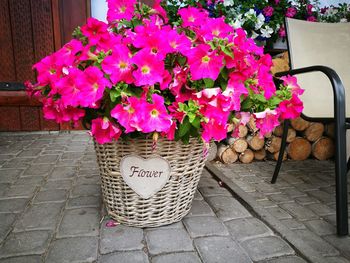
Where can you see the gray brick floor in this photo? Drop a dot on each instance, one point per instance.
(51, 211)
(302, 202)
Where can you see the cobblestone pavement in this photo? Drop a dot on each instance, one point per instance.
(302, 200)
(51, 211)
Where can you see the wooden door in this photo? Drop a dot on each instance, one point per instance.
(29, 31)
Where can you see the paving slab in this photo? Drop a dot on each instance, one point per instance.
(125, 257)
(25, 243)
(266, 247)
(185, 257)
(77, 249)
(6, 222)
(246, 228)
(79, 222)
(120, 238)
(168, 240)
(220, 249)
(205, 226)
(39, 217)
(228, 208)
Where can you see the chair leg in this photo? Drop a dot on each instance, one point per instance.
(280, 156)
(341, 181)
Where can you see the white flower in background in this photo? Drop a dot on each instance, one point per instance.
(266, 32)
(228, 3)
(260, 21)
(238, 22)
(254, 35)
(343, 20)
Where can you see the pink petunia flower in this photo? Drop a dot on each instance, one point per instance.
(125, 114)
(68, 89)
(268, 11)
(49, 70)
(104, 131)
(150, 69)
(204, 63)
(55, 110)
(266, 121)
(192, 16)
(120, 9)
(291, 83)
(311, 19)
(291, 12)
(94, 30)
(215, 27)
(178, 42)
(119, 65)
(92, 84)
(216, 126)
(154, 116)
(282, 32)
(160, 10)
(291, 109)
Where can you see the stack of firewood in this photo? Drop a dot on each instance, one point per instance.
(304, 139)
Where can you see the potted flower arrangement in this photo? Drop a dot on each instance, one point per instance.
(145, 86)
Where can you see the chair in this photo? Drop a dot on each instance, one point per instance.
(320, 55)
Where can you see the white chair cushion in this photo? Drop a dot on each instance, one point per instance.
(326, 44)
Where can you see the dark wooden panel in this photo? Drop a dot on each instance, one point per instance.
(47, 125)
(17, 98)
(21, 22)
(30, 118)
(7, 72)
(73, 13)
(55, 7)
(10, 119)
(42, 28)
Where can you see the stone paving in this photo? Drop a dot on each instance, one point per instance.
(302, 200)
(51, 211)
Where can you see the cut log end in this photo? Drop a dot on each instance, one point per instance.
(260, 155)
(240, 145)
(255, 142)
(299, 149)
(247, 156)
(323, 149)
(314, 131)
(299, 124)
(274, 144)
(226, 154)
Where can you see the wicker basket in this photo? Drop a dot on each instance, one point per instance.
(167, 206)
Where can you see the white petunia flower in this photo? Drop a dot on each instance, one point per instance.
(266, 32)
(260, 21)
(228, 3)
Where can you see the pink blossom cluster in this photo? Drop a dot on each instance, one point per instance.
(138, 74)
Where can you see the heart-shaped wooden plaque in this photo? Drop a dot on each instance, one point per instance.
(145, 176)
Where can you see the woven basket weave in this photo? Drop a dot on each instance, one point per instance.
(167, 206)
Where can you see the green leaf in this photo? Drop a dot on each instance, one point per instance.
(273, 102)
(227, 51)
(209, 83)
(184, 127)
(247, 104)
(196, 122)
(260, 97)
(114, 94)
